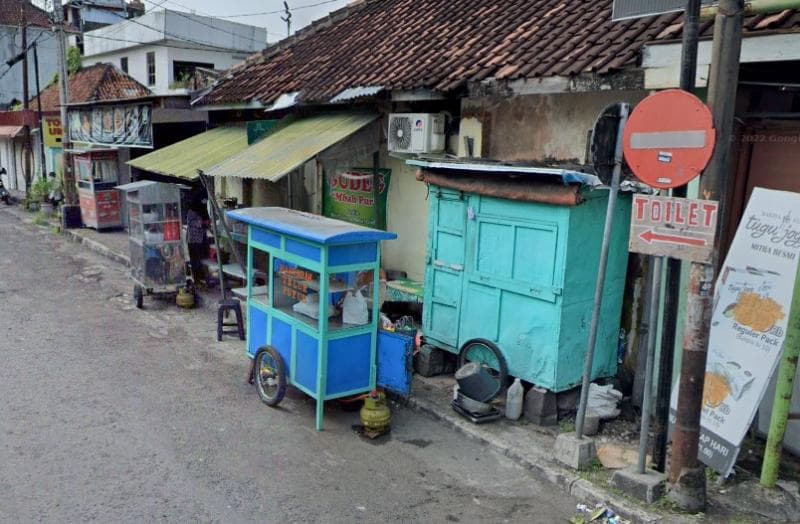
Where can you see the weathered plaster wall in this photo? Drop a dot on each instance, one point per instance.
(406, 215)
(539, 127)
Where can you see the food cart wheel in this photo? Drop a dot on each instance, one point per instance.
(487, 354)
(138, 296)
(270, 375)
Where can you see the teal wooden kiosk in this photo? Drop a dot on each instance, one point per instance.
(510, 282)
(297, 331)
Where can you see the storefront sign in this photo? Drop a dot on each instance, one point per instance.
(350, 196)
(751, 308)
(52, 132)
(675, 227)
(119, 125)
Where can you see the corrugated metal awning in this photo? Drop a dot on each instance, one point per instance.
(292, 145)
(202, 151)
(10, 131)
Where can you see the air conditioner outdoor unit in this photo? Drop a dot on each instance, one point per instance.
(416, 132)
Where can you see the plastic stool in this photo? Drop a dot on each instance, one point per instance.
(226, 306)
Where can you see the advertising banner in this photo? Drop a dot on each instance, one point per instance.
(349, 196)
(120, 125)
(51, 130)
(752, 297)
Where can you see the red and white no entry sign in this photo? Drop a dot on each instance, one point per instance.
(669, 138)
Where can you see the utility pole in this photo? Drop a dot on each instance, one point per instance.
(26, 130)
(691, 22)
(39, 110)
(70, 211)
(686, 473)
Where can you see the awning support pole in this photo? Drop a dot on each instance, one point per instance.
(601, 272)
(217, 213)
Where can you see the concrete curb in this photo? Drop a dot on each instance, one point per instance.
(97, 247)
(539, 464)
(73, 235)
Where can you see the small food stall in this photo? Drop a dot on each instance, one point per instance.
(98, 177)
(512, 262)
(314, 324)
(158, 262)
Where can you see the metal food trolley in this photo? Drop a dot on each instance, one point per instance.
(158, 262)
(99, 199)
(296, 333)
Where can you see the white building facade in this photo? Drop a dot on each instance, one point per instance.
(162, 49)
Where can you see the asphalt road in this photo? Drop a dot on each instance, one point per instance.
(111, 414)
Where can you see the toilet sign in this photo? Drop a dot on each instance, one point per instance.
(669, 139)
(681, 228)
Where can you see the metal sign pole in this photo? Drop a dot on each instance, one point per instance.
(647, 401)
(624, 109)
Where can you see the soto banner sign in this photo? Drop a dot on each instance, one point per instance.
(349, 196)
(119, 125)
(753, 295)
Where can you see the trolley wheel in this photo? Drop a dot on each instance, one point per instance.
(487, 354)
(138, 296)
(269, 375)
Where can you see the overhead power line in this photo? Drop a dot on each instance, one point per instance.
(279, 11)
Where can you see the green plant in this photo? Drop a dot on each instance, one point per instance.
(73, 63)
(40, 190)
(40, 219)
(73, 60)
(566, 426)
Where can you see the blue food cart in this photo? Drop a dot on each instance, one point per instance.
(314, 323)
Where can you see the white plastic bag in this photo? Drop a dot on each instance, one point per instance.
(310, 307)
(603, 401)
(354, 309)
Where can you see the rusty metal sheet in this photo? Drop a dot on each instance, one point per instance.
(680, 228)
(507, 187)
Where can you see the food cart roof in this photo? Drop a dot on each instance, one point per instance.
(307, 226)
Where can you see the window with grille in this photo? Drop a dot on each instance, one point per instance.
(151, 69)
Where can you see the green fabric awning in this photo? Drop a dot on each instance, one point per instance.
(291, 145)
(204, 151)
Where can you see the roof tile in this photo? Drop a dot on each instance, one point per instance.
(444, 44)
(96, 83)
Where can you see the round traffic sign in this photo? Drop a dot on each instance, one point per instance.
(669, 138)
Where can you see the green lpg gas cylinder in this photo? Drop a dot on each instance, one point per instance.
(375, 415)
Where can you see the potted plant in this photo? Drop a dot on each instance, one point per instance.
(39, 196)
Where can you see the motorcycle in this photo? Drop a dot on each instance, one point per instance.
(5, 196)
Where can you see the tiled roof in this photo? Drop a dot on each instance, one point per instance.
(443, 44)
(10, 14)
(96, 83)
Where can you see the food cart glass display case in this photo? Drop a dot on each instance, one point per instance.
(98, 176)
(158, 261)
(314, 324)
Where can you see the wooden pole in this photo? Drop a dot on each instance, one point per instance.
(686, 473)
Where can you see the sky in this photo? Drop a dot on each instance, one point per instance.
(303, 11)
